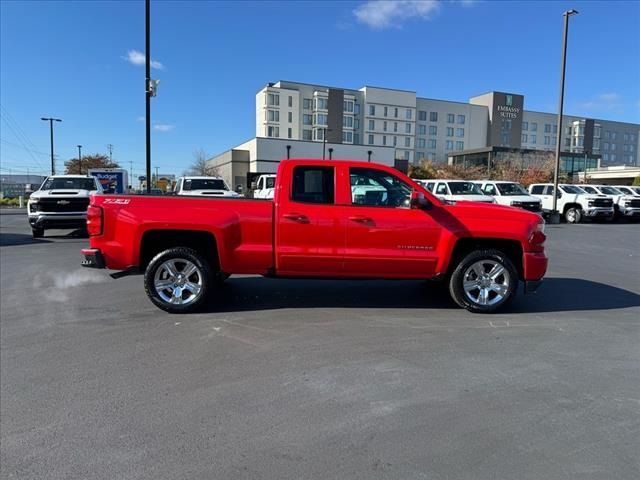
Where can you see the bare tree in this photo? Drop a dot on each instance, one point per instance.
(200, 165)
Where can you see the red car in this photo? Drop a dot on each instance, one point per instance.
(338, 219)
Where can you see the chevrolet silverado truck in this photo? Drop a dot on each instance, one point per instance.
(573, 202)
(626, 205)
(317, 227)
(61, 202)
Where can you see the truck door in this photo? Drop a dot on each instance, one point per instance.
(544, 194)
(385, 237)
(310, 228)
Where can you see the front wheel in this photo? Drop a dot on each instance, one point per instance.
(178, 280)
(573, 215)
(484, 281)
(37, 232)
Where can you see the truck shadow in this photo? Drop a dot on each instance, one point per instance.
(555, 295)
(12, 239)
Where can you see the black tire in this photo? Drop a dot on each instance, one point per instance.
(573, 215)
(37, 232)
(509, 281)
(202, 277)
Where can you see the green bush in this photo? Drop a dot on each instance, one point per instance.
(636, 181)
(10, 202)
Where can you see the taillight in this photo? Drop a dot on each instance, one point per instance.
(94, 220)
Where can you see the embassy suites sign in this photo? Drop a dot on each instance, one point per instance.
(508, 110)
(506, 120)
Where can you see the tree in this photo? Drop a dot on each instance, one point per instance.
(636, 181)
(201, 166)
(74, 167)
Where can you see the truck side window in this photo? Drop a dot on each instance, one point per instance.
(441, 189)
(378, 188)
(548, 190)
(430, 186)
(537, 189)
(490, 189)
(313, 185)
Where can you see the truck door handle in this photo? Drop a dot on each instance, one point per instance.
(296, 217)
(362, 219)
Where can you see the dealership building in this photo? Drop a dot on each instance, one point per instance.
(396, 127)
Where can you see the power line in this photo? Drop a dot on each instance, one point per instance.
(6, 116)
(23, 147)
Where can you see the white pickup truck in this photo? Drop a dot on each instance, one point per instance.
(573, 202)
(456, 190)
(204, 186)
(61, 202)
(511, 194)
(625, 205)
(264, 186)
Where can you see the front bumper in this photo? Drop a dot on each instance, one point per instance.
(534, 267)
(599, 212)
(58, 220)
(629, 212)
(92, 258)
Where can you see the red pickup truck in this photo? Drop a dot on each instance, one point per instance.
(339, 219)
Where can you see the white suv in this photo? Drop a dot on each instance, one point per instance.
(61, 202)
(573, 202)
(204, 186)
(625, 205)
(511, 194)
(456, 190)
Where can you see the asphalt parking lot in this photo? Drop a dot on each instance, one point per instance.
(320, 379)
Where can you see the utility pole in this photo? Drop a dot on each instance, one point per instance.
(148, 88)
(51, 120)
(555, 215)
(80, 159)
(110, 148)
(156, 184)
(130, 174)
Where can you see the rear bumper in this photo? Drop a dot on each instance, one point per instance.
(530, 286)
(92, 258)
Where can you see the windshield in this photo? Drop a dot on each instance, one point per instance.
(610, 191)
(589, 189)
(204, 184)
(69, 184)
(464, 188)
(511, 189)
(636, 190)
(625, 190)
(571, 189)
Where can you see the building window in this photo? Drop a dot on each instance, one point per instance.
(306, 134)
(290, 117)
(554, 140)
(372, 109)
(547, 139)
(613, 146)
(506, 124)
(347, 137)
(524, 138)
(290, 101)
(395, 114)
(306, 103)
(385, 111)
(451, 118)
(407, 142)
(347, 121)
(273, 99)
(318, 134)
(384, 140)
(433, 116)
(605, 157)
(348, 106)
(607, 134)
(555, 129)
(289, 132)
(320, 118)
(459, 132)
(395, 126)
(505, 139)
(461, 119)
(433, 130)
(567, 130)
(547, 128)
(370, 139)
(422, 129)
(408, 114)
(575, 141)
(459, 145)
(273, 116)
(407, 128)
(273, 132)
(626, 137)
(356, 108)
(631, 148)
(449, 131)
(534, 127)
(431, 156)
(421, 143)
(632, 137)
(431, 144)
(321, 104)
(612, 157)
(567, 142)
(449, 145)
(419, 156)
(533, 139)
(525, 126)
(422, 116)
(614, 135)
(372, 125)
(395, 141)
(356, 138)
(306, 119)
(596, 143)
(356, 123)
(384, 126)
(406, 155)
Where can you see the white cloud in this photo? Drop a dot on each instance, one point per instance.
(140, 119)
(163, 127)
(380, 14)
(136, 57)
(610, 101)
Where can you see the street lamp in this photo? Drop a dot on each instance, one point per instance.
(324, 141)
(555, 215)
(79, 159)
(51, 120)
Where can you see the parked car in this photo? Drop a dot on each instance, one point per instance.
(61, 202)
(265, 186)
(194, 186)
(511, 194)
(316, 228)
(458, 190)
(625, 205)
(573, 203)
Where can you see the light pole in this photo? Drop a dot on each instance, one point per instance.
(555, 215)
(51, 120)
(79, 159)
(324, 141)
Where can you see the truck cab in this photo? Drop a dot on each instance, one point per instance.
(204, 186)
(458, 190)
(573, 203)
(265, 186)
(510, 194)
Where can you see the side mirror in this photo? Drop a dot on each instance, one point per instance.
(419, 201)
(559, 194)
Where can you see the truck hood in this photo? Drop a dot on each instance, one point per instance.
(470, 198)
(483, 214)
(521, 198)
(61, 193)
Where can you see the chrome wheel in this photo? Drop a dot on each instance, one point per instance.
(486, 282)
(178, 281)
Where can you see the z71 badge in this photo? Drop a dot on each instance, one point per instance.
(117, 201)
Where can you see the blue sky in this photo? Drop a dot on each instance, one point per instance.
(73, 60)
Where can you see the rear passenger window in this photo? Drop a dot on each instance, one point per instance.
(537, 189)
(313, 185)
(489, 189)
(441, 189)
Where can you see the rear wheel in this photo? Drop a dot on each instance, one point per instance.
(37, 232)
(178, 280)
(573, 215)
(484, 281)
